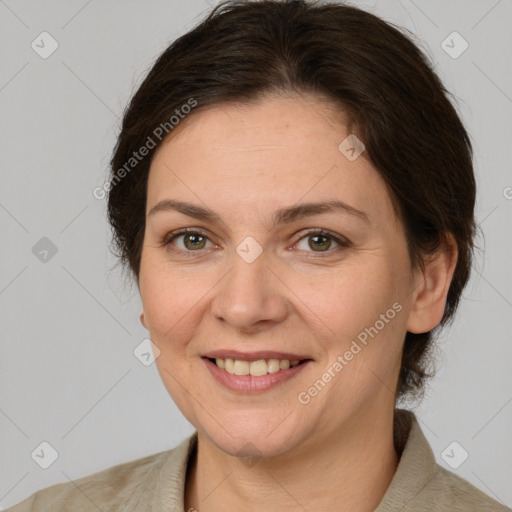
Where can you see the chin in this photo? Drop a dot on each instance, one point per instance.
(253, 434)
(253, 447)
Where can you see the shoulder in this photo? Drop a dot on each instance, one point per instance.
(420, 484)
(100, 489)
(448, 491)
(131, 485)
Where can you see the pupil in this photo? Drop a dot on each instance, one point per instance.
(316, 237)
(192, 237)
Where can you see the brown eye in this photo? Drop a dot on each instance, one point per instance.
(320, 242)
(194, 241)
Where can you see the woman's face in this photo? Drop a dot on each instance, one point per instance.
(248, 284)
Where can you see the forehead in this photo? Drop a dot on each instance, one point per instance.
(257, 157)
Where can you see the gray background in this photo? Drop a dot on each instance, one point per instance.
(68, 375)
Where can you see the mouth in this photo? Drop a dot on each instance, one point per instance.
(256, 372)
(255, 368)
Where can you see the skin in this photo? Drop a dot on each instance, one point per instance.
(244, 162)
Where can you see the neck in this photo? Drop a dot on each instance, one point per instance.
(347, 471)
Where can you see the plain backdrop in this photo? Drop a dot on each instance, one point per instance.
(69, 326)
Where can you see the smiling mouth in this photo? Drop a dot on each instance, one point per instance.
(256, 368)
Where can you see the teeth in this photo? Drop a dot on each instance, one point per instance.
(273, 365)
(241, 367)
(258, 368)
(229, 366)
(254, 368)
(284, 364)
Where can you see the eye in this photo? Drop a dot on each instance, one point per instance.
(322, 240)
(193, 240)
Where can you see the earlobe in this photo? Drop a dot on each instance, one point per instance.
(430, 301)
(142, 320)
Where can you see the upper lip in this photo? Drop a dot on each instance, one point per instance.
(254, 356)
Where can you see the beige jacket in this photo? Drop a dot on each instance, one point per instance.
(156, 483)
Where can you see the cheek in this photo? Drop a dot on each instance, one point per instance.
(159, 295)
(173, 300)
(365, 311)
(349, 299)
(378, 333)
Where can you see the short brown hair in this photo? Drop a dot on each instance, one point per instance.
(369, 69)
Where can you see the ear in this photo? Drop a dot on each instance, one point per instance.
(142, 320)
(432, 287)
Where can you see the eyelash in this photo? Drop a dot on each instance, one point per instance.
(342, 242)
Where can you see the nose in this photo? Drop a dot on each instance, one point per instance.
(251, 296)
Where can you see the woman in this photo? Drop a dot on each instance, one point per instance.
(293, 193)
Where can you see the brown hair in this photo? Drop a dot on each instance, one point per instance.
(398, 107)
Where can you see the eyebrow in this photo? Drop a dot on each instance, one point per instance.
(281, 216)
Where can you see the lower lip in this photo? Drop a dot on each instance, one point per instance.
(249, 383)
